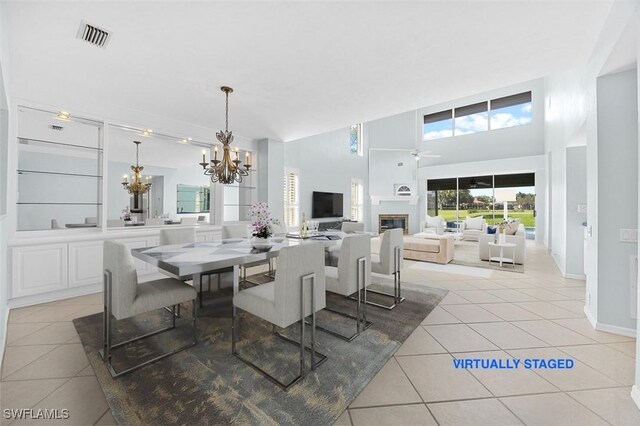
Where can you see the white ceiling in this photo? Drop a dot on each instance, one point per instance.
(297, 68)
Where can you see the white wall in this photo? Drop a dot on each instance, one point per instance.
(617, 193)
(326, 165)
(565, 115)
(5, 102)
(576, 195)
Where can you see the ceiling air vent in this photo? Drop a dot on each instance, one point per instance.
(54, 127)
(94, 35)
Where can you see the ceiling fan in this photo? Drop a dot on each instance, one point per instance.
(473, 183)
(423, 154)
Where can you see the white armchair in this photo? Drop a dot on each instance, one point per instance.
(519, 239)
(472, 228)
(433, 224)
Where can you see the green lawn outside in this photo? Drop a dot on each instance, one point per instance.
(525, 216)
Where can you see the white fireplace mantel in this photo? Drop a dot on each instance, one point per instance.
(412, 200)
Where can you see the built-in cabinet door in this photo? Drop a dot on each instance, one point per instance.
(85, 263)
(38, 269)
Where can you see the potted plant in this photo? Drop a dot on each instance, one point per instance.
(502, 229)
(261, 225)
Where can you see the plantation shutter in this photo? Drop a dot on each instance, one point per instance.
(291, 199)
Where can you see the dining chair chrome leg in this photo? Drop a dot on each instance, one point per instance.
(396, 296)
(361, 320)
(106, 351)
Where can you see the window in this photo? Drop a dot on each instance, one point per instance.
(438, 125)
(355, 139)
(471, 119)
(500, 113)
(357, 200)
(514, 110)
(291, 198)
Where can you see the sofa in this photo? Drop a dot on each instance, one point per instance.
(518, 239)
(472, 228)
(430, 248)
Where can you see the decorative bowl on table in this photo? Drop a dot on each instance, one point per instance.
(261, 243)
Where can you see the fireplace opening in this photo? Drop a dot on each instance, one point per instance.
(393, 221)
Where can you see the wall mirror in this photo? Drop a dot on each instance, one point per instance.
(178, 186)
(59, 171)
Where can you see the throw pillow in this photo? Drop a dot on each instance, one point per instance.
(512, 227)
(491, 229)
(474, 223)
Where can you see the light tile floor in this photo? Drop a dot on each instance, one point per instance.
(535, 314)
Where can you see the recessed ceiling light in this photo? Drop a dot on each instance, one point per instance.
(190, 139)
(184, 142)
(63, 115)
(147, 132)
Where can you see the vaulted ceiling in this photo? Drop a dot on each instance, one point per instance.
(297, 68)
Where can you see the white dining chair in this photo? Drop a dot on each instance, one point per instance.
(177, 235)
(297, 292)
(352, 275)
(389, 262)
(352, 227)
(236, 230)
(125, 298)
(189, 220)
(154, 221)
(180, 235)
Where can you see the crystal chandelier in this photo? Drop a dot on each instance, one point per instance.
(136, 186)
(226, 171)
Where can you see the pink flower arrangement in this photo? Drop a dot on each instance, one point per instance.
(261, 220)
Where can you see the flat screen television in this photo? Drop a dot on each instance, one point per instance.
(326, 204)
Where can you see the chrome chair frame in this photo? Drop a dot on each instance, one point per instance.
(361, 299)
(235, 331)
(397, 296)
(107, 347)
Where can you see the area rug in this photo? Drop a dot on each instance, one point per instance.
(205, 384)
(466, 254)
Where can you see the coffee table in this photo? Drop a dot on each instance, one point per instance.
(501, 258)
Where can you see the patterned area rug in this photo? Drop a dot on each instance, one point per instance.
(466, 254)
(205, 384)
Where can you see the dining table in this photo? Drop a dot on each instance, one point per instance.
(193, 261)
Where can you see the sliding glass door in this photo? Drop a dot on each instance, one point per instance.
(493, 197)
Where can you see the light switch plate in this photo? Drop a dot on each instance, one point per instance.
(582, 208)
(629, 235)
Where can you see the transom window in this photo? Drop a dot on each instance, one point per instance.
(355, 139)
(500, 113)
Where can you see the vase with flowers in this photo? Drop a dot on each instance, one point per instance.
(261, 225)
(502, 231)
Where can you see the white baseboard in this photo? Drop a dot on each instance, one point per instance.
(614, 329)
(608, 328)
(581, 277)
(635, 395)
(36, 299)
(3, 342)
(590, 317)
